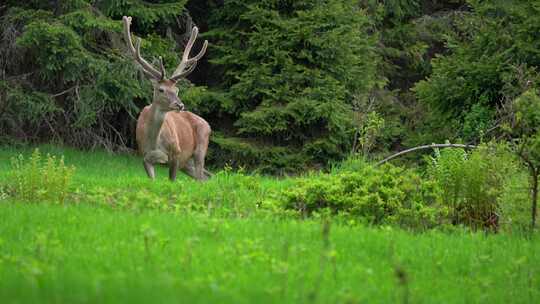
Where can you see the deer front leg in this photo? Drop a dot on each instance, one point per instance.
(151, 158)
(149, 168)
(173, 168)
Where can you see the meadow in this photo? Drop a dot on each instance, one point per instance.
(120, 237)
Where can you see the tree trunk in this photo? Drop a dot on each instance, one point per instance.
(355, 140)
(56, 4)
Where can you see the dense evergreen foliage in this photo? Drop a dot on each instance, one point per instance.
(65, 76)
(492, 55)
(284, 85)
(289, 72)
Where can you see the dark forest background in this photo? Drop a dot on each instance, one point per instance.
(286, 85)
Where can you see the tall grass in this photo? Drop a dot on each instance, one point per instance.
(219, 242)
(120, 181)
(85, 254)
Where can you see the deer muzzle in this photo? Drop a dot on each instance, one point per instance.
(177, 106)
(175, 103)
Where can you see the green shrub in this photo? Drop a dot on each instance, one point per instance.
(525, 130)
(3, 194)
(472, 183)
(376, 195)
(477, 122)
(492, 56)
(514, 204)
(38, 179)
(240, 153)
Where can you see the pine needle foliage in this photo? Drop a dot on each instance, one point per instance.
(491, 41)
(68, 77)
(289, 69)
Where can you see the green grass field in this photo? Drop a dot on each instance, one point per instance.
(214, 243)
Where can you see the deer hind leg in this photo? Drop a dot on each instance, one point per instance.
(189, 168)
(173, 167)
(194, 167)
(199, 166)
(199, 155)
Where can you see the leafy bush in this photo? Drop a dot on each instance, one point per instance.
(477, 122)
(527, 127)
(480, 67)
(240, 153)
(524, 127)
(376, 195)
(3, 194)
(514, 204)
(472, 183)
(37, 179)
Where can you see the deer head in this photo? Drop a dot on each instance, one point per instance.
(165, 90)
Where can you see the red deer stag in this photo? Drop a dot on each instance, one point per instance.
(165, 132)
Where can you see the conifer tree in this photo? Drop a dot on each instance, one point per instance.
(288, 73)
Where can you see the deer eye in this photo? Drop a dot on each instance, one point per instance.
(161, 90)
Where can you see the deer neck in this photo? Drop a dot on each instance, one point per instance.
(154, 123)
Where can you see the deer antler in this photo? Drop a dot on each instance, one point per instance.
(187, 65)
(148, 69)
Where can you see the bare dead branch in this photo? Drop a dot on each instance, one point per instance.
(64, 92)
(21, 76)
(432, 146)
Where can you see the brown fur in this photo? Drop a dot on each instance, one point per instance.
(182, 136)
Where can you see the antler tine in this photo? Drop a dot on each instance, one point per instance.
(148, 69)
(190, 69)
(162, 67)
(136, 54)
(187, 65)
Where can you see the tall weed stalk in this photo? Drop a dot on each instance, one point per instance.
(39, 179)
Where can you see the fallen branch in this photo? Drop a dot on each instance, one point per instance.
(64, 92)
(432, 146)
